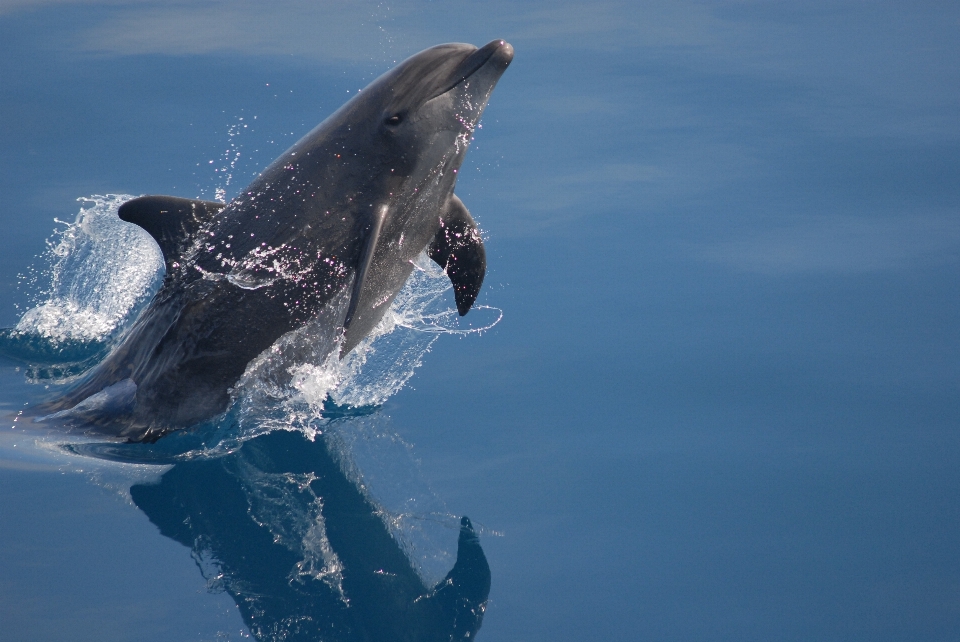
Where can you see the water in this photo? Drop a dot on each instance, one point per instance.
(722, 401)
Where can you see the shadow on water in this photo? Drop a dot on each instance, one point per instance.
(304, 553)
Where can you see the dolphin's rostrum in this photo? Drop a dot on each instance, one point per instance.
(345, 211)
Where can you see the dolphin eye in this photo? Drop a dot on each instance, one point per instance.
(393, 120)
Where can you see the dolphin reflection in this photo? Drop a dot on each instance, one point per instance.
(304, 553)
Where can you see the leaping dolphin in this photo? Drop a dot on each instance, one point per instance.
(345, 210)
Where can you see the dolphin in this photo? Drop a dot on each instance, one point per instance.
(342, 213)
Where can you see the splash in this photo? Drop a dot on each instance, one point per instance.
(228, 160)
(100, 270)
(386, 359)
(99, 273)
(303, 368)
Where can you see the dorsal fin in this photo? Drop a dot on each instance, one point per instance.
(458, 249)
(171, 221)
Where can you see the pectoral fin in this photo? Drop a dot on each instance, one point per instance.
(458, 249)
(363, 267)
(171, 221)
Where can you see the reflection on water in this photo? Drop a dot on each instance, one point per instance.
(304, 552)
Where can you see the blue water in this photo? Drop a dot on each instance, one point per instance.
(723, 400)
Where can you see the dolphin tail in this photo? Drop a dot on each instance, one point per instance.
(458, 249)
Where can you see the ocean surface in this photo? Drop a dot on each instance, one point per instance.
(711, 390)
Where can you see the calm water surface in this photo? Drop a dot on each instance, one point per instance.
(723, 401)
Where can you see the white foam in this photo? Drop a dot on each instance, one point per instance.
(388, 357)
(100, 270)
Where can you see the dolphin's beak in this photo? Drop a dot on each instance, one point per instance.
(493, 57)
(502, 53)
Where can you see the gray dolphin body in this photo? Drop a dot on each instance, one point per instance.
(345, 211)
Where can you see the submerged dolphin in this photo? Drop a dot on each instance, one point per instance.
(346, 210)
